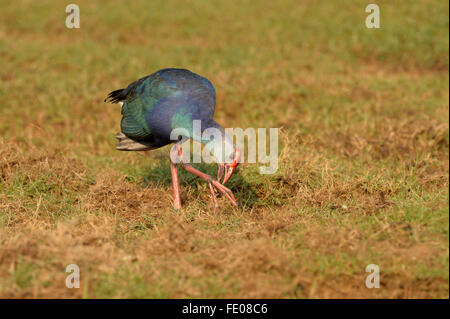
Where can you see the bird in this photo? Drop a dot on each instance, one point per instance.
(169, 99)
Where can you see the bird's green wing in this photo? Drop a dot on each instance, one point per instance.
(133, 122)
(141, 97)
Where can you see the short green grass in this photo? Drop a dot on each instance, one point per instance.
(363, 165)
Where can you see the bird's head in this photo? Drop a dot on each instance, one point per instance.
(229, 167)
(226, 153)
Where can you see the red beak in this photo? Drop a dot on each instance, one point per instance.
(229, 169)
(228, 172)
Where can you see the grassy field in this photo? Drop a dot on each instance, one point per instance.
(364, 151)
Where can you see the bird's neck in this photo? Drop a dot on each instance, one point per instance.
(217, 142)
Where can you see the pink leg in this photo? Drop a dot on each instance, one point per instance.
(213, 194)
(175, 186)
(223, 189)
(177, 151)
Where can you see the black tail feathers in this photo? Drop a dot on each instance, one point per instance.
(116, 96)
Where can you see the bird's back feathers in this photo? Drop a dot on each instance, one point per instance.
(155, 104)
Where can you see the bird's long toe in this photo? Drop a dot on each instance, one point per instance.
(226, 191)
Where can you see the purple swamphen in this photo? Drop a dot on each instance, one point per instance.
(155, 105)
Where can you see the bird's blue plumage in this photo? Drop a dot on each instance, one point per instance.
(170, 99)
(162, 101)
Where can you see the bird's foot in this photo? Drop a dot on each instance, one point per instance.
(213, 195)
(211, 182)
(224, 190)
